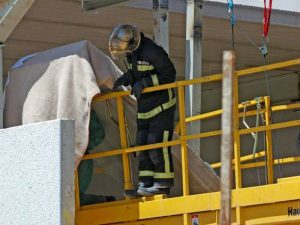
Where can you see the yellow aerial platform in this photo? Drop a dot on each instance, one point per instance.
(275, 203)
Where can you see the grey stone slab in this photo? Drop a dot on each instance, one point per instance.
(37, 174)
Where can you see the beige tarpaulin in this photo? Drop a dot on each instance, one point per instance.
(60, 83)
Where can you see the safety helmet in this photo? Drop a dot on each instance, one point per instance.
(123, 39)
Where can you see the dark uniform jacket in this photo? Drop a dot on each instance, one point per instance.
(151, 65)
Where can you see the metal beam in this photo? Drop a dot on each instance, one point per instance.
(161, 23)
(12, 16)
(94, 4)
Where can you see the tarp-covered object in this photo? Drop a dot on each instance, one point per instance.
(59, 83)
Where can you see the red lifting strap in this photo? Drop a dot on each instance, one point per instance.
(267, 16)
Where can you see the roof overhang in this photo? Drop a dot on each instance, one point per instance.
(11, 14)
(95, 4)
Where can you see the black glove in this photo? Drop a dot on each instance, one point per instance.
(126, 79)
(137, 89)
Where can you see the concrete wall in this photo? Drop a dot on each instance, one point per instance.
(37, 174)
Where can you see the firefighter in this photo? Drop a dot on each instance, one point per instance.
(149, 65)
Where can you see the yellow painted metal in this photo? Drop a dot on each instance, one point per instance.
(285, 107)
(262, 163)
(130, 150)
(186, 219)
(270, 127)
(289, 179)
(252, 165)
(242, 158)
(77, 197)
(269, 67)
(269, 146)
(184, 155)
(203, 79)
(123, 137)
(275, 162)
(287, 160)
(236, 141)
(185, 173)
(174, 220)
(158, 210)
(216, 113)
(204, 116)
(190, 137)
(236, 136)
(202, 135)
(238, 215)
(262, 201)
(251, 157)
(276, 213)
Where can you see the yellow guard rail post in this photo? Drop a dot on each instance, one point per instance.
(269, 145)
(124, 145)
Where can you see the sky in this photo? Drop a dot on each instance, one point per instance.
(288, 5)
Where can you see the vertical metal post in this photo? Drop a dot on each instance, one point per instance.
(236, 136)
(269, 144)
(77, 191)
(185, 175)
(236, 143)
(226, 138)
(184, 153)
(126, 163)
(1, 86)
(193, 64)
(161, 23)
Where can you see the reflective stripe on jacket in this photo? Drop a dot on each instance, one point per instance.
(151, 65)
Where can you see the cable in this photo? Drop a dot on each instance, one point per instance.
(264, 51)
(232, 20)
(274, 131)
(246, 36)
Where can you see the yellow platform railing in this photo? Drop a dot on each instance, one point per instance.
(238, 160)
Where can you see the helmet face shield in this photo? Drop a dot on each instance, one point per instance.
(123, 39)
(118, 48)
